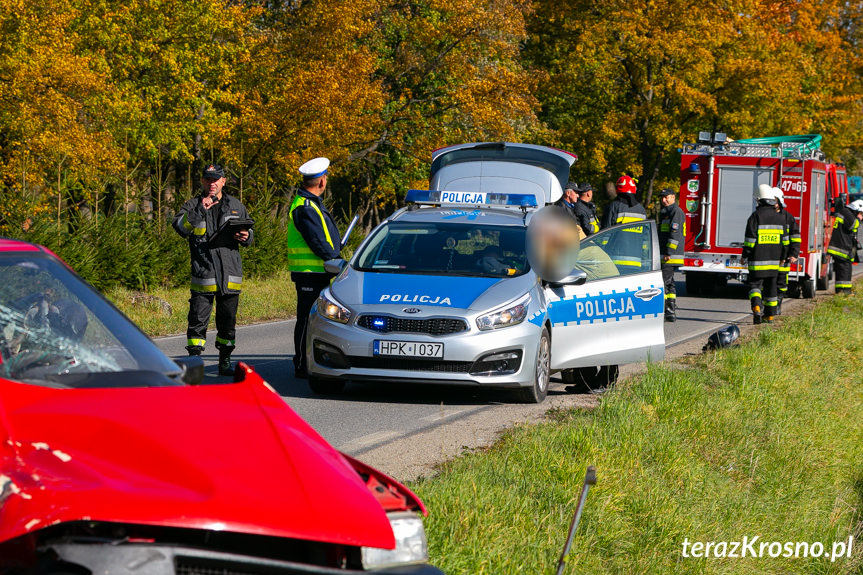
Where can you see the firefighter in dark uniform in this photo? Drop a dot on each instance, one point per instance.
(217, 269)
(625, 207)
(765, 243)
(313, 238)
(844, 242)
(672, 222)
(585, 210)
(793, 252)
(569, 198)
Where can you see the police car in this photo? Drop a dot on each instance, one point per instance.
(443, 291)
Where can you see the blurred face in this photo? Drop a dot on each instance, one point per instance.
(586, 196)
(570, 196)
(212, 187)
(667, 200)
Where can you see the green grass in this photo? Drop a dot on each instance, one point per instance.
(765, 439)
(262, 299)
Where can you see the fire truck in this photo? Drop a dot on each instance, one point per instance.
(718, 176)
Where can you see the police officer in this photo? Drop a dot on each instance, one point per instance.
(569, 198)
(585, 210)
(844, 242)
(764, 245)
(217, 269)
(313, 238)
(793, 251)
(671, 229)
(625, 207)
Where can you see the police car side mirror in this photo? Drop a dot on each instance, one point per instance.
(193, 369)
(576, 278)
(335, 266)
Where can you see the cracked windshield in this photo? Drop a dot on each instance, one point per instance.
(55, 330)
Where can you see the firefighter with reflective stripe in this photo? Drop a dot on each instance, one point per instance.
(585, 210)
(313, 238)
(672, 221)
(764, 245)
(217, 269)
(793, 251)
(844, 242)
(624, 208)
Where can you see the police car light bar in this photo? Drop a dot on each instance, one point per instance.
(470, 198)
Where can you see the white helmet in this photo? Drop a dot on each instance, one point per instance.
(763, 192)
(856, 205)
(779, 195)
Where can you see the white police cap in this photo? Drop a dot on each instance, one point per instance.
(315, 168)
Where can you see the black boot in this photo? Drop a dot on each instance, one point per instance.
(225, 367)
(778, 309)
(756, 314)
(194, 349)
(670, 310)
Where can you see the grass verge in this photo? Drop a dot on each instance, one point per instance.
(262, 299)
(759, 440)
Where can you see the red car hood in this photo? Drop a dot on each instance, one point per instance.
(228, 457)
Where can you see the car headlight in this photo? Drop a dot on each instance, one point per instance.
(411, 544)
(330, 309)
(512, 315)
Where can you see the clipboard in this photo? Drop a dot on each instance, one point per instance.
(235, 225)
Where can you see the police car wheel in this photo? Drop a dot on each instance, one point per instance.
(536, 393)
(323, 386)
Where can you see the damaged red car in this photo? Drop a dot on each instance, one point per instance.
(116, 460)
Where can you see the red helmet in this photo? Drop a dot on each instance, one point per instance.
(625, 185)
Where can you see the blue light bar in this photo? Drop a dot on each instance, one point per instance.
(470, 198)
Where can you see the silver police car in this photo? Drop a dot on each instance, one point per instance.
(442, 291)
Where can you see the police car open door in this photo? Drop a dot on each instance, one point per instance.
(617, 315)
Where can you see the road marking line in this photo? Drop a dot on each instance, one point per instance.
(370, 439)
(441, 416)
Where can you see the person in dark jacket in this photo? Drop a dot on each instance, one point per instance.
(625, 208)
(672, 222)
(313, 238)
(765, 243)
(585, 210)
(793, 251)
(844, 242)
(217, 269)
(569, 198)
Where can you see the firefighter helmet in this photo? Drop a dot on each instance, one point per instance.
(856, 206)
(764, 193)
(779, 195)
(625, 185)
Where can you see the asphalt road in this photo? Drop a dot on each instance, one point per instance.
(367, 416)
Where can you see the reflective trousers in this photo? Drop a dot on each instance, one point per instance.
(200, 308)
(763, 295)
(842, 269)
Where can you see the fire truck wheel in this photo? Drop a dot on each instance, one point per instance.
(807, 288)
(824, 283)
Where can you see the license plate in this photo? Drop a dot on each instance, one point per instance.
(408, 348)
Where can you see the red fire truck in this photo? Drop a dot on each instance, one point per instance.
(718, 177)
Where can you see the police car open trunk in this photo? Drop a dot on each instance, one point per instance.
(718, 177)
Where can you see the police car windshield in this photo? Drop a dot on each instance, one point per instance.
(56, 331)
(446, 248)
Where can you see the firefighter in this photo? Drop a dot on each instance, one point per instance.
(672, 221)
(625, 207)
(217, 269)
(764, 245)
(313, 238)
(844, 242)
(585, 210)
(793, 251)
